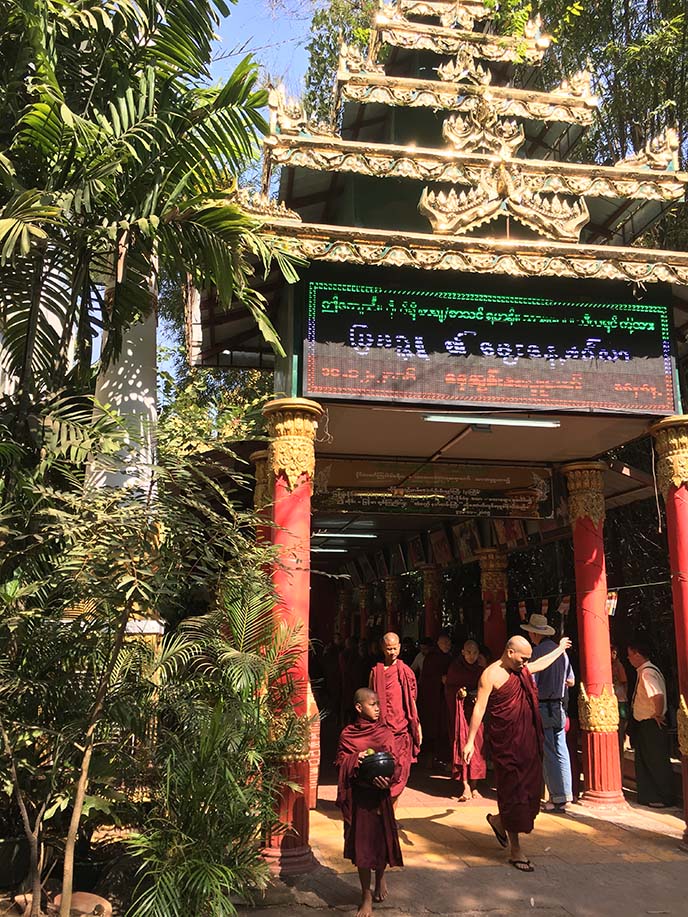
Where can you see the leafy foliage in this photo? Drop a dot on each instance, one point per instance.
(116, 163)
(338, 21)
(220, 731)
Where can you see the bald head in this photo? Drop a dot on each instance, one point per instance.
(362, 695)
(517, 653)
(470, 651)
(517, 643)
(390, 648)
(367, 704)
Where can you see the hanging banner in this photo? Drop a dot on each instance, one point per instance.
(564, 605)
(522, 611)
(612, 598)
(436, 488)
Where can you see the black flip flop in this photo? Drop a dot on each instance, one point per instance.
(502, 838)
(522, 865)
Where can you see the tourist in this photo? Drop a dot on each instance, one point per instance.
(432, 708)
(620, 685)
(461, 688)
(653, 772)
(371, 841)
(507, 692)
(552, 684)
(395, 684)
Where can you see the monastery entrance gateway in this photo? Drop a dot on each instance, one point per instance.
(475, 327)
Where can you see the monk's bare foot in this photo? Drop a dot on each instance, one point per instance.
(476, 794)
(463, 798)
(366, 908)
(380, 892)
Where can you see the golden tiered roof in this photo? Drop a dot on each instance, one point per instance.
(572, 219)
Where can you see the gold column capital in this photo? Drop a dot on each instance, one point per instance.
(671, 443)
(432, 582)
(292, 425)
(598, 712)
(392, 590)
(585, 484)
(261, 495)
(493, 566)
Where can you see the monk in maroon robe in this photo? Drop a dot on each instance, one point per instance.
(507, 690)
(395, 684)
(371, 841)
(431, 707)
(461, 689)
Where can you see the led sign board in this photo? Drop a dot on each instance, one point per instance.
(579, 350)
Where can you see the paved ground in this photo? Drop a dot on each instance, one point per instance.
(623, 865)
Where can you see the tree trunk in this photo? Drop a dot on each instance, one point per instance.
(82, 784)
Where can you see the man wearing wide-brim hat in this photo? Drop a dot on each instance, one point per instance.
(552, 684)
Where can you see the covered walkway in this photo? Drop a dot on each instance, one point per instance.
(629, 864)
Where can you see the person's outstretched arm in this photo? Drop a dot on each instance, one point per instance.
(538, 665)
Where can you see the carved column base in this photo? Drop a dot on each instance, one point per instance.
(288, 853)
(602, 771)
(313, 749)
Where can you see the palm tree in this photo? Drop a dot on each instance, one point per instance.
(117, 161)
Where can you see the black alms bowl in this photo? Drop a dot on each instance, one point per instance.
(379, 764)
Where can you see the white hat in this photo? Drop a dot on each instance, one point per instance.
(537, 624)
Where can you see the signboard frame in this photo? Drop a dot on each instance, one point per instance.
(599, 374)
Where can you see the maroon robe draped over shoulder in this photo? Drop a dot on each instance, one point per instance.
(370, 831)
(431, 710)
(395, 685)
(516, 741)
(460, 711)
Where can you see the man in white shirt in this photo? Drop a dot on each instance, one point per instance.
(653, 771)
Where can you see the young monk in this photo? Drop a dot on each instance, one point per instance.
(461, 688)
(371, 841)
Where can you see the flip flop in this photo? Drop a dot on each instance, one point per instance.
(501, 838)
(463, 798)
(522, 865)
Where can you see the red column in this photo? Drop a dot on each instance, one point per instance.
(494, 587)
(392, 598)
(292, 423)
(432, 599)
(597, 705)
(671, 443)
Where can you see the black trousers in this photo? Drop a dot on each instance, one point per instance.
(653, 771)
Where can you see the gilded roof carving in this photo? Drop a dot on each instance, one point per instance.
(482, 160)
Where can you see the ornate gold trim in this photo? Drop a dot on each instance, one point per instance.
(392, 591)
(432, 583)
(559, 105)
(586, 491)
(261, 492)
(671, 444)
(449, 12)
(660, 152)
(598, 713)
(502, 192)
(464, 165)
(394, 29)
(515, 257)
(682, 726)
(493, 570)
(292, 425)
